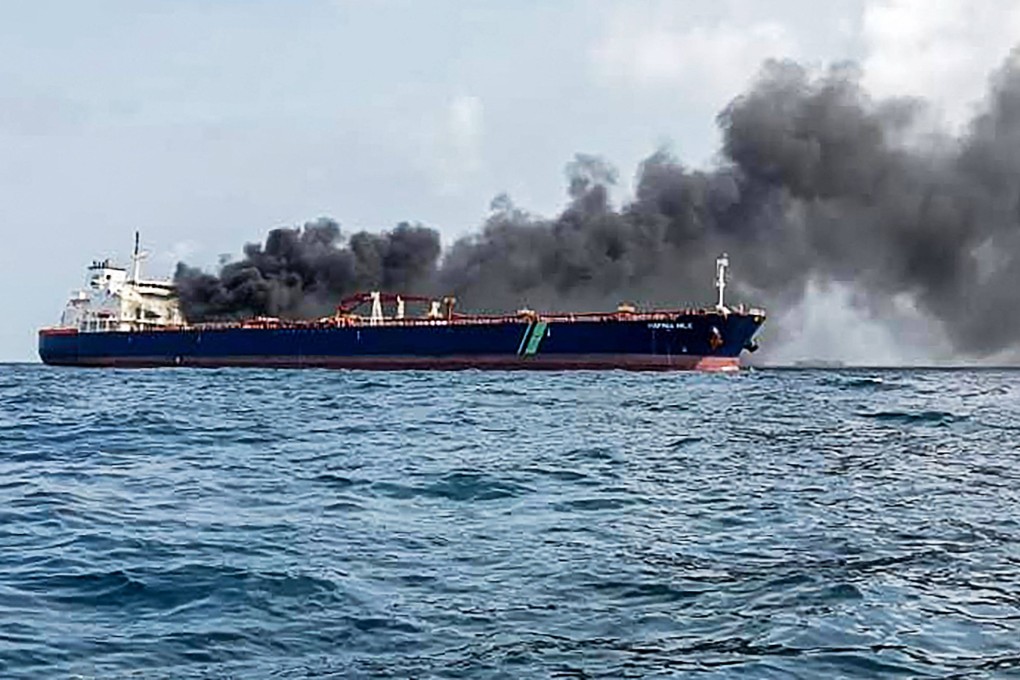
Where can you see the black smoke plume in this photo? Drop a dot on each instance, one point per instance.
(304, 272)
(816, 182)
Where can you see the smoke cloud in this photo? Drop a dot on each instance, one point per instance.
(817, 183)
(304, 272)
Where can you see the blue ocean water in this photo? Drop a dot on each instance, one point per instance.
(186, 523)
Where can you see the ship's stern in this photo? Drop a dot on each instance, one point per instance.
(58, 346)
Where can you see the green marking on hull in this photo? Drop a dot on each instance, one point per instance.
(524, 340)
(536, 338)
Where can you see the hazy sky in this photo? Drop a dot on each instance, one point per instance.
(204, 123)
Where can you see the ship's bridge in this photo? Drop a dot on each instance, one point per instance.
(103, 274)
(114, 301)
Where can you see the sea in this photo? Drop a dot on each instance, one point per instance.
(189, 523)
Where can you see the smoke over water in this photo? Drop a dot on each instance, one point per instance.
(819, 187)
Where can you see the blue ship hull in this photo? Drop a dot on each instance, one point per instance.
(709, 341)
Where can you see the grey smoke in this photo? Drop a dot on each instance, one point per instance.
(816, 182)
(304, 272)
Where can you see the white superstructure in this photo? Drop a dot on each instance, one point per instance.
(112, 301)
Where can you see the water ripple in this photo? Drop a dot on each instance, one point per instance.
(295, 524)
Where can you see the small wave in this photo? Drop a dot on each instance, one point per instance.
(590, 453)
(599, 503)
(915, 417)
(646, 593)
(654, 405)
(369, 384)
(471, 486)
(635, 403)
(344, 506)
(866, 382)
(456, 486)
(841, 592)
(870, 383)
(999, 424)
(378, 624)
(95, 589)
(172, 589)
(560, 474)
(505, 391)
(335, 481)
(676, 406)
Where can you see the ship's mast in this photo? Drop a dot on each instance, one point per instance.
(722, 263)
(136, 261)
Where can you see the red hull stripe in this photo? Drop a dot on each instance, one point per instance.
(634, 362)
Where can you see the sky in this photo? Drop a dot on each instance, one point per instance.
(204, 124)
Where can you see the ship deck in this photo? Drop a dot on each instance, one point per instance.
(360, 321)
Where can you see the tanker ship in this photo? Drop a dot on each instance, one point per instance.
(120, 319)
